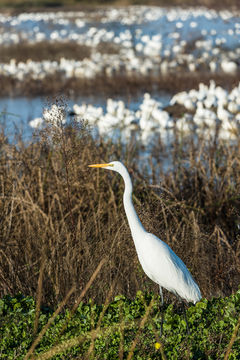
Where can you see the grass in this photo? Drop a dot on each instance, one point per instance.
(128, 86)
(55, 4)
(56, 210)
(52, 51)
(65, 241)
(43, 51)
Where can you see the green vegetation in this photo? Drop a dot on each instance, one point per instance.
(122, 329)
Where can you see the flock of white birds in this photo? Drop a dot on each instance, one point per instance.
(208, 110)
(150, 40)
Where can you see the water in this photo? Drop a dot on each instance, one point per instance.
(16, 113)
(152, 32)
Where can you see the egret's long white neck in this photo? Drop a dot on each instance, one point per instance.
(133, 219)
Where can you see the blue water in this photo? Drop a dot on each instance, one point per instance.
(15, 113)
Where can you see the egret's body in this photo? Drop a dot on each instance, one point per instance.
(158, 260)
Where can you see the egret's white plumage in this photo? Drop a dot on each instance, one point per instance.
(158, 260)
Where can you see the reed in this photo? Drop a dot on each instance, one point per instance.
(181, 80)
(53, 208)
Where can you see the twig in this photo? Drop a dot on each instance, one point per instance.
(142, 323)
(50, 321)
(39, 295)
(79, 299)
(233, 338)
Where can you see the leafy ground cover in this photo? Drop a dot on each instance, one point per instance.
(121, 329)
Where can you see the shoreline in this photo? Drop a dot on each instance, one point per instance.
(63, 5)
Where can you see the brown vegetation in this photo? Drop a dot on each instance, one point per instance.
(70, 4)
(53, 85)
(178, 79)
(44, 51)
(55, 210)
(51, 51)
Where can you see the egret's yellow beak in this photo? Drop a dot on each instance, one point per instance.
(100, 165)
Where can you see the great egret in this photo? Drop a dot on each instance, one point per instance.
(158, 260)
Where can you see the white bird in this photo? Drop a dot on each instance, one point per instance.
(36, 123)
(229, 67)
(222, 113)
(158, 260)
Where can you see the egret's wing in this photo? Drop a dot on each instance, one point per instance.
(165, 268)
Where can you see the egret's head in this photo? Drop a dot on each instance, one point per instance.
(119, 168)
(114, 165)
